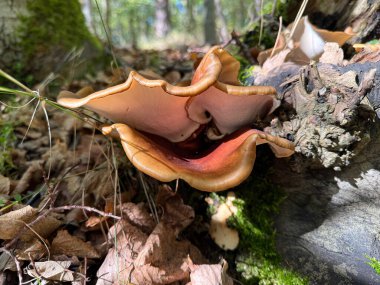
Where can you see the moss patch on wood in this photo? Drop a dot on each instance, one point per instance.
(53, 23)
(258, 202)
(51, 35)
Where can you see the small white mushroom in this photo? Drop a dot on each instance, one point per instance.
(225, 237)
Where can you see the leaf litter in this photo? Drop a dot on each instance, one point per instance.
(61, 245)
(50, 222)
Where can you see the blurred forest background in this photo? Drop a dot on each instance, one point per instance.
(42, 36)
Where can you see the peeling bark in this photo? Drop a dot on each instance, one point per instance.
(328, 110)
(331, 218)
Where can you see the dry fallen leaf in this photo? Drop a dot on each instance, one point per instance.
(64, 243)
(32, 249)
(332, 54)
(7, 263)
(210, 274)
(5, 185)
(148, 253)
(11, 223)
(307, 42)
(52, 270)
(32, 174)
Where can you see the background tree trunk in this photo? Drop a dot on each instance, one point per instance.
(43, 52)
(210, 23)
(190, 15)
(108, 18)
(162, 18)
(87, 13)
(224, 34)
(9, 21)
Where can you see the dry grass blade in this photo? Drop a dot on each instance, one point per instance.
(261, 21)
(15, 81)
(106, 30)
(152, 205)
(296, 21)
(17, 107)
(49, 134)
(277, 38)
(31, 120)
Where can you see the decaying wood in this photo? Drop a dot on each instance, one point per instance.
(331, 218)
(328, 110)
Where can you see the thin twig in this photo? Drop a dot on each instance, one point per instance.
(39, 237)
(86, 208)
(17, 107)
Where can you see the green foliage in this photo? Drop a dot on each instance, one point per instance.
(374, 263)
(52, 23)
(259, 262)
(7, 139)
(246, 75)
(268, 37)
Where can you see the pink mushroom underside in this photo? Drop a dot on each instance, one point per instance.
(145, 108)
(220, 168)
(229, 112)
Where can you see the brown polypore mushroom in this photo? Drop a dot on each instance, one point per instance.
(192, 132)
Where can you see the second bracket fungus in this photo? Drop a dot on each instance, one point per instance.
(199, 133)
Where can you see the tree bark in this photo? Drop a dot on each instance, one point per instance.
(331, 218)
(210, 23)
(163, 24)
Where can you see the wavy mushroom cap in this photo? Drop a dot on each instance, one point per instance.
(222, 167)
(195, 132)
(159, 108)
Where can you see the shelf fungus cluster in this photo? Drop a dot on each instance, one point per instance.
(199, 132)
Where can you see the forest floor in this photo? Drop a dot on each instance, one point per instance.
(64, 186)
(73, 208)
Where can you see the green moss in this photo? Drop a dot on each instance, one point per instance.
(258, 261)
(53, 37)
(7, 139)
(52, 23)
(374, 263)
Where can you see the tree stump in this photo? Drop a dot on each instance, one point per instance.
(330, 220)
